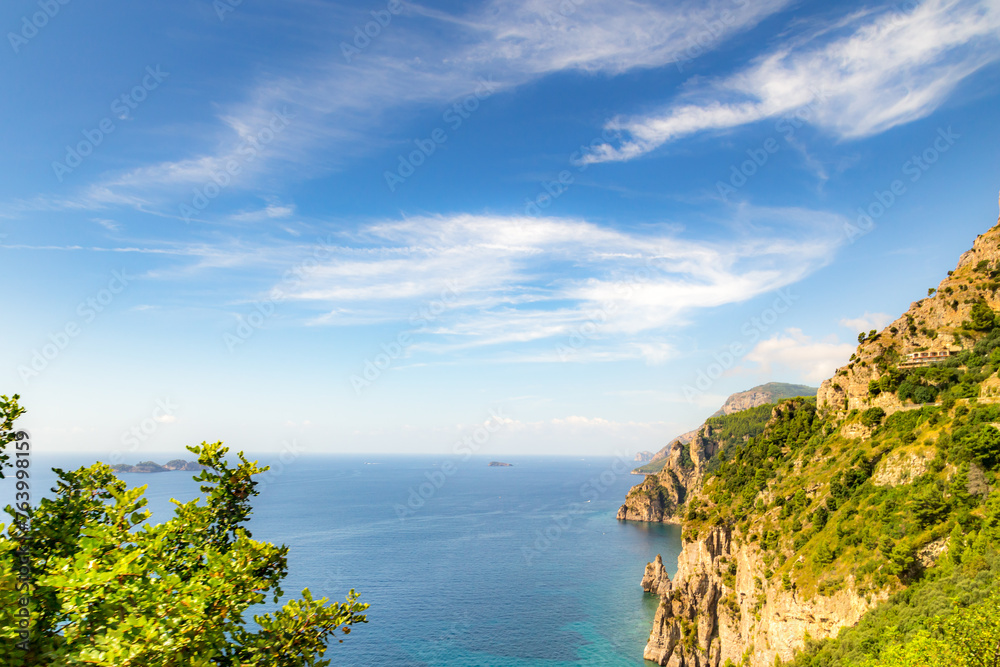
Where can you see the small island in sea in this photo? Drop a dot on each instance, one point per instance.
(500, 464)
(149, 466)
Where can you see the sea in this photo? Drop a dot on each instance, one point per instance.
(463, 564)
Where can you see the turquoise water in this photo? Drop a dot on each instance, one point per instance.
(508, 567)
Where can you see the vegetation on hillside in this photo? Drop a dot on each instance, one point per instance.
(925, 530)
(107, 589)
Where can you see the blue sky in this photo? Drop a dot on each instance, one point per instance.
(360, 227)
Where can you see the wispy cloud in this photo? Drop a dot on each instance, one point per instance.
(889, 68)
(468, 281)
(426, 57)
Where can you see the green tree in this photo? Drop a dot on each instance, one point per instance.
(981, 318)
(872, 416)
(968, 638)
(929, 505)
(984, 446)
(111, 591)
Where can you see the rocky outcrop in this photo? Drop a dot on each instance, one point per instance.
(721, 607)
(656, 580)
(652, 501)
(929, 554)
(660, 495)
(931, 324)
(899, 468)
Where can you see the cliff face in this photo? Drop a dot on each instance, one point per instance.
(719, 609)
(779, 542)
(660, 496)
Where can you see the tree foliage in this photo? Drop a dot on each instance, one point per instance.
(111, 590)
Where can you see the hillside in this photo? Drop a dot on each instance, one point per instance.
(870, 508)
(771, 392)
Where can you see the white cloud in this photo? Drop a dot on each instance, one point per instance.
(867, 322)
(467, 281)
(891, 68)
(793, 352)
(269, 212)
(109, 225)
(430, 58)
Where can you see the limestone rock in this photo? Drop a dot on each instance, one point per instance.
(702, 622)
(929, 554)
(656, 580)
(899, 468)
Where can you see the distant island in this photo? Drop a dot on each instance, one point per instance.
(149, 466)
(500, 464)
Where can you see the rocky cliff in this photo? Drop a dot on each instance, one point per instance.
(720, 607)
(940, 324)
(660, 496)
(804, 528)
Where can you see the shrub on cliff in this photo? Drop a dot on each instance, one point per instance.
(981, 317)
(872, 416)
(105, 591)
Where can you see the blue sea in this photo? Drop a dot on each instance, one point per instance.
(463, 564)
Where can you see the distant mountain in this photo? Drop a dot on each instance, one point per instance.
(150, 466)
(772, 392)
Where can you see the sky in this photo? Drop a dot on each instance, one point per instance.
(533, 226)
